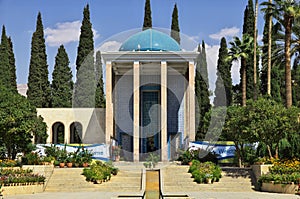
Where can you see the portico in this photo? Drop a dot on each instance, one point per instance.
(150, 101)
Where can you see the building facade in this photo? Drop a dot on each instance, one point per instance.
(150, 100)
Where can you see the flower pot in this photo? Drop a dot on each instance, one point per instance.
(69, 164)
(85, 164)
(208, 180)
(117, 158)
(62, 165)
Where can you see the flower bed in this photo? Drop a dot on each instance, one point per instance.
(284, 177)
(19, 177)
(206, 172)
(8, 163)
(99, 172)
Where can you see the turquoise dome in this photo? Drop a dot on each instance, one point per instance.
(150, 40)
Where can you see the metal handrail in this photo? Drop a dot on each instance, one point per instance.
(162, 195)
(142, 192)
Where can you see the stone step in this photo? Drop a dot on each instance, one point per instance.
(72, 180)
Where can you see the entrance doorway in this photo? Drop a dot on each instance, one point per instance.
(150, 120)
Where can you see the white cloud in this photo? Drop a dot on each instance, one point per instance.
(212, 53)
(212, 59)
(235, 72)
(225, 32)
(64, 33)
(194, 38)
(110, 46)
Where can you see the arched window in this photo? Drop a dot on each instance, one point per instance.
(58, 133)
(76, 132)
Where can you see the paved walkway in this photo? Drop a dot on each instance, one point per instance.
(196, 195)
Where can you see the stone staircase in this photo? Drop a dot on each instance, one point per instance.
(177, 179)
(71, 180)
(68, 180)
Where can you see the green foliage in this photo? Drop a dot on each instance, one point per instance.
(267, 122)
(241, 49)
(38, 92)
(203, 171)
(5, 75)
(12, 64)
(86, 42)
(248, 29)
(271, 122)
(8, 163)
(200, 155)
(62, 84)
(277, 72)
(296, 81)
(99, 172)
(224, 81)
(18, 123)
(151, 160)
(202, 92)
(19, 176)
(31, 159)
(100, 98)
(175, 30)
(85, 85)
(283, 172)
(147, 16)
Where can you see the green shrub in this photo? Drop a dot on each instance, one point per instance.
(284, 172)
(199, 154)
(203, 170)
(99, 172)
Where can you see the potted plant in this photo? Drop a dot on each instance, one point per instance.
(62, 157)
(86, 157)
(70, 160)
(116, 152)
(152, 160)
(208, 178)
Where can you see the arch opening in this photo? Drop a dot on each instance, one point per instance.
(76, 133)
(58, 133)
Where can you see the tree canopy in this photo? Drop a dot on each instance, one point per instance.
(38, 92)
(62, 84)
(19, 123)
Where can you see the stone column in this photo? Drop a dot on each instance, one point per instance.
(109, 122)
(164, 126)
(191, 102)
(186, 108)
(136, 111)
(67, 133)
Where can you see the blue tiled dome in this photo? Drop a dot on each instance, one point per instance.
(150, 40)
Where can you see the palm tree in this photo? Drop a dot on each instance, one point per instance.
(255, 50)
(240, 49)
(285, 12)
(268, 12)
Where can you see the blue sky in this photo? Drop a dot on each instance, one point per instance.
(198, 19)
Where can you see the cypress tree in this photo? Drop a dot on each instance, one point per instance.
(62, 84)
(224, 81)
(100, 99)
(147, 16)
(175, 30)
(38, 92)
(86, 42)
(202, 92)
(12, 64)
(248, 28)
(84, 95)
(5, 76)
